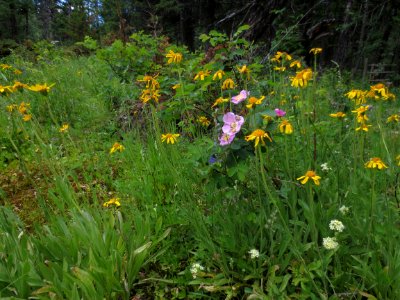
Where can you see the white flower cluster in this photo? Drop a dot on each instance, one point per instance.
(344, 209)
(195, 269)
(336, 225)
(330, 243)
(254, 253)
(325, 167)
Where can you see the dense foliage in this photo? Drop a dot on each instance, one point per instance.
(352, 33)
(143, 170)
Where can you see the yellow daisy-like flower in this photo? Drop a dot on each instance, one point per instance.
(117, 147)
(310, 175)
(358, 96)
(17, 72)
(204, 121)
(23, 107)
(258, 135)
(176, 86)
(339, 115)
(219, 101)
(254, 101)
(316, 51)
(279, 54)
(219, 74)
(151, 82)
(393, 118)
(113, 201)
(173, 57)
(285, 127)
(148, 94)
(228, 84)
(361, 113)
(27, 117)
(381, 89)
(301, 79)
(267, 118)
(170, 138)
(64, 128)
(202, 74)
(19, 85)
(6, 90)
(375, 163)
(363, 127)
(41, 88)
(295, 63)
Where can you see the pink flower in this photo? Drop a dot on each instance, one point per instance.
(241, 97)
(280, 113)
(226, 139)
(232, 123)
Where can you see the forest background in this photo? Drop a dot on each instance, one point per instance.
(354, 34)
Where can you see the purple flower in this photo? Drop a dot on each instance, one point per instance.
(280, 113)
(212, 159)
(241, 97)
(226, 139)
(232, 123)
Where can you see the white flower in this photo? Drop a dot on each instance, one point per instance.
(330, 243)
(336, 225)
(325, 168)
(254, 253)
(344, 209)
(195, 269)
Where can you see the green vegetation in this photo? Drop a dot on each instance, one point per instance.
(142, 170)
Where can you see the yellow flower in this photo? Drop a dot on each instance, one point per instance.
(204, 121)
(64, 128)
(295, 63)
(363, 127)
(267, 118)
(280, 69)
(258, 135)
(5, 66)
(339, 115)
(279, 54)
(398, 160)
(41, 88)
(219, 74)
(301, 78)
(17, 72)
(243, 69)
(315, 51)
(393, 118)
(173, 57)
(219, 101)
(361, 113)
(27, 117)
(358, 96)
(176, 86)
(148, 94)
(10, 108)
(380, 88)
(285, 127)
(151, 82)
(202, 74)
(375, 163)
(113, 201)
(171, 138)
(19, 85)
(5, 90)
(117, 147)
(228, 84)
(23, 107)
(391, 96)
(309, 175)
(254, 101)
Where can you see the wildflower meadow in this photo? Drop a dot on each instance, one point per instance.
(143, 170)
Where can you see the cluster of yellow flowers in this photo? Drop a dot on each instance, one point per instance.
(151, 90)
(5, 67)
(376, 92)
(17, 86)
(22, 108)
